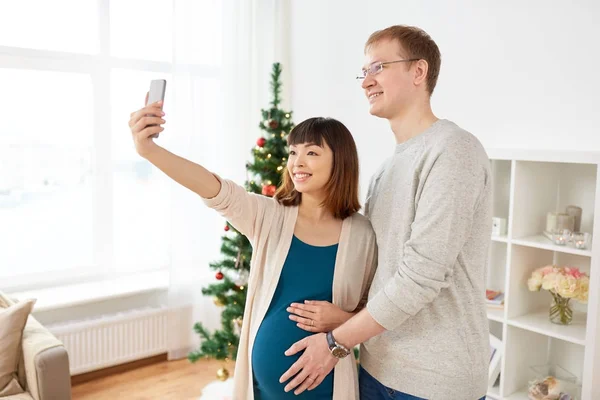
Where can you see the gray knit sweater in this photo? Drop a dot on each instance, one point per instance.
(430, 206)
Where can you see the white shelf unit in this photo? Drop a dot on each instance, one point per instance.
(526, 186)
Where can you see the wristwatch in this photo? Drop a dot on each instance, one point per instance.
(336, 349)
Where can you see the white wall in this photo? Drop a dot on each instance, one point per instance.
(517, 74)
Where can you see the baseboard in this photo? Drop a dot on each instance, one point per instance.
(117, 369)
(179, 354)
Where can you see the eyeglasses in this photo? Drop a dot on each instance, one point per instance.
(377, 67)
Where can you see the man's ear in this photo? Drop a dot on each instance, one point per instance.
(421, 69)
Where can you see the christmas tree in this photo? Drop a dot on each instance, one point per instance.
(232, 270)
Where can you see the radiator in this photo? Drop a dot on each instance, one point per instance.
(110, 340)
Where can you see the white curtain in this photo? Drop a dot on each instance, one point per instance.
(254, 34)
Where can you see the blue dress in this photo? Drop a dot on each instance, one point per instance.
(307, 275)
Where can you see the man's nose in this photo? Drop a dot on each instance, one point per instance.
(367, 82)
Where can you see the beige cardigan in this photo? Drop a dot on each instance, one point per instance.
(270, 226)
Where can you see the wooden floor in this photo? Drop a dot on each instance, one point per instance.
(166, 380)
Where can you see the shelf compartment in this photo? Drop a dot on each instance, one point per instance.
(542, 187)
(540, 323)
(542, 242)
(495, 314)
(527, 349)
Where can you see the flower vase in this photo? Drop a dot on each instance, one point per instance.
(561, 312)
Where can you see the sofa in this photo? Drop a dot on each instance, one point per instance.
(34, 365)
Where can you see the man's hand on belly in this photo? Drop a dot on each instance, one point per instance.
(313, 365)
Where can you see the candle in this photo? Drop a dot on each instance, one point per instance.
(551, 221)
(565, 221)
(575, 212)
(560, 240)
(579, 240)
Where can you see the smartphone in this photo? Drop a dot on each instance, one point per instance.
(156, 93)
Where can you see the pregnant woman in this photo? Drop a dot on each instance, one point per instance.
(308, 242)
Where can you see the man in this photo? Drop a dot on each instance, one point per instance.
(424, 331)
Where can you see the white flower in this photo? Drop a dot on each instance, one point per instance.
(549, 281)
(566, 286)
(535, 282)
(584, 288)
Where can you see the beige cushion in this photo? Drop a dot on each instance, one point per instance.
(20, 396)
(12, 323)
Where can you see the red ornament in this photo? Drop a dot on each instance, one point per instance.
(269, 190)
(226, 228)
(261, 142)
(219, 275)
(273, 124)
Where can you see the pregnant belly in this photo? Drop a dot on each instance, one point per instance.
(276, 334)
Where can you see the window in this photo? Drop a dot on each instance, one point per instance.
(76, 201)
(46, 177)
(50, 25)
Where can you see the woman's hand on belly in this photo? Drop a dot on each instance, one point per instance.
(317, 316)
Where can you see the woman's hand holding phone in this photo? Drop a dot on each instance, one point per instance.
(144, 124)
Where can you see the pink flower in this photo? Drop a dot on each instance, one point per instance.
(574, 272)
(546, 270)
